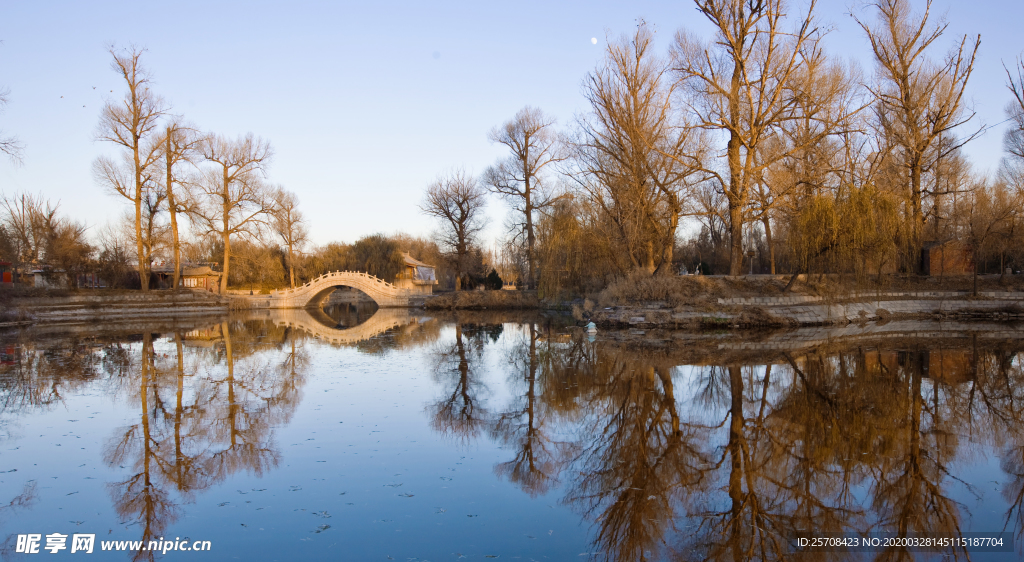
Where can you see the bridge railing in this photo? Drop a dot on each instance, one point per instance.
(384, 285)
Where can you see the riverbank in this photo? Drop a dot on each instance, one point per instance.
(645, 302)
(753, 312)
(484, 300)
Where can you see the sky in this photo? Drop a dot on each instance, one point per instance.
(367, 103)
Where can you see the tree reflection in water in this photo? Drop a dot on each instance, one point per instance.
(523, 426)
(207, 402)
(459, 414)
(671, 451)
(755, 448)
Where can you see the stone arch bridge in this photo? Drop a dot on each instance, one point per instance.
(316, 291)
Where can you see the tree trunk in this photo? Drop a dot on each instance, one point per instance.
(768, 240)
(735, 191)
(528, 209)
(226, 234)
(175, 248)
(668, 252)
(291, 268)
(917, 217)
(736, 233)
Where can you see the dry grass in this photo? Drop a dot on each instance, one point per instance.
(479, 300)
(642, 288)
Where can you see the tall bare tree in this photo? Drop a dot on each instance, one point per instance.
(457, 201)
(130, 123)
(180, 145)
(533, 146)
(741, 84)
(918, 101)
(636, 152)
(290, 225)
(236, 199)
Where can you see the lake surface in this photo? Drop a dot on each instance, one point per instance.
(354, 434)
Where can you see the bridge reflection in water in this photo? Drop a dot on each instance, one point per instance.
(318, 324)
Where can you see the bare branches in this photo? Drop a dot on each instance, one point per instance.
(636, 151)
(235, 200)
(533, 146)
(28, 220)
(288, 222)
(130, 123)
(9, 145)
(1014, 139)
(457, 201)
(918, 101)
(747, 85)
(130, 120)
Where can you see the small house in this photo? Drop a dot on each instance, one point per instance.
(202, 278)
(6, 276)
(416, 276)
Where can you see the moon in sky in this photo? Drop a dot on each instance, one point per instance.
(593, 40)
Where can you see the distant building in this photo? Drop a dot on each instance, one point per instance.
(949, 257)
(201, 278)
(417, 276)
(5, 272)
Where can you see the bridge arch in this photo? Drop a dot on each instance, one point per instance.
(313, 293)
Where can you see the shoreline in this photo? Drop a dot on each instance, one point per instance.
(728, 312)
(792, 312)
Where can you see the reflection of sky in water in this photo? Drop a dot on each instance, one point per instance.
(416, 447)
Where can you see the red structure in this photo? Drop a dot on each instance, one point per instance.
(950, 257)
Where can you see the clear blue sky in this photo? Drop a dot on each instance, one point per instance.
(365, 103)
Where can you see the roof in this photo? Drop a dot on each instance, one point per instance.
(200, 271)
(409, 260)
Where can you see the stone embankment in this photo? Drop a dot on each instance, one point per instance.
(102, 307)
(793, 311)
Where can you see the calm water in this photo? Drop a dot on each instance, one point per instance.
(354, 435)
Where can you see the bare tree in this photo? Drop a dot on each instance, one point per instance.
(28, 220)
(129, 123)
(636, 152)
(457, 201)
(236, 199)
(742, 84)
(918, 102)
(533, 145)
(180, 145)
(67, 250)
(290, 225)
(988, 212)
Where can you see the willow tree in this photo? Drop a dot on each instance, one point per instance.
(131, 123)
(743, 85)
(918, 102)
(235, 199)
